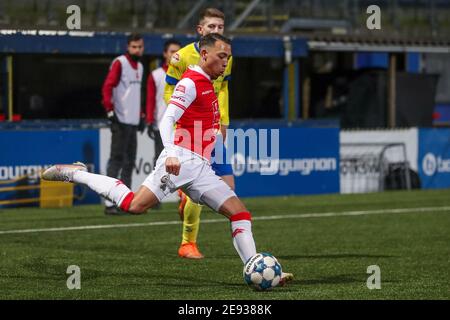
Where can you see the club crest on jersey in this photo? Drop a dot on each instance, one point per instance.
(181, 89)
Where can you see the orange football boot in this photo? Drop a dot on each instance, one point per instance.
(190, 251)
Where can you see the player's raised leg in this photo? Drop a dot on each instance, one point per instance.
(241, 226)
(224, 200)
(107, 187)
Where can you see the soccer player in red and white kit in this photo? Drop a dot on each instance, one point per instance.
(184, 162)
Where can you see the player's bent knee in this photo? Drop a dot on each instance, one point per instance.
(131, 205)
(232, 206)
(143, 200)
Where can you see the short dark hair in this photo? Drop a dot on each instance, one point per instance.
(211, 13)
(210, 39)
(134, 37)
(169, 42)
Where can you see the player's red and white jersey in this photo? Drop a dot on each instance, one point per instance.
(197, 128)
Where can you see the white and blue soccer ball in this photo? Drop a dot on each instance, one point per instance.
(262, 271)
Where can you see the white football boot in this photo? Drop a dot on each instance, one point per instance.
(285, 278)
(63, 172)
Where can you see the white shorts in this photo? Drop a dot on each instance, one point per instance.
(196, 179)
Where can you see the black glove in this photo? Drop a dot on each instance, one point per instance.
(141, 126)
(151, 131)
(112, 117)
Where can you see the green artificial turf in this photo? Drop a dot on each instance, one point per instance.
(328, 254)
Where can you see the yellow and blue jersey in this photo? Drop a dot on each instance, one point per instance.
(190, 55)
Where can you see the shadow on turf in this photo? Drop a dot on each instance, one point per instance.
(197, 282)
(45, 270)
(337, 279)
(291, 287)
(332, 256)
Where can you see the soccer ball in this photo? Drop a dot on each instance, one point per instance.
(262, 271)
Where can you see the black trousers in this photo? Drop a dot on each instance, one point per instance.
(158, 146)
(123, 152)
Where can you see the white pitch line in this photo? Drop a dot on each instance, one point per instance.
(276, 217)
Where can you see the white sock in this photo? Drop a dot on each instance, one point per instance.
(241, 228)
(108, 203)
(110, 188)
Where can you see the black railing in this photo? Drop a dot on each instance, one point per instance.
(399, 17)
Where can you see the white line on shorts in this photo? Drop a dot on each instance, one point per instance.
(275, 217)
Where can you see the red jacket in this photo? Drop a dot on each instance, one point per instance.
(112, 80)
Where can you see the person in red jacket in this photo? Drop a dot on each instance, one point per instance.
(156, 106)
(122, 102)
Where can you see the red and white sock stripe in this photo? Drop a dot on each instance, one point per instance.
(245, 215)
(126, 202)
(241, 231)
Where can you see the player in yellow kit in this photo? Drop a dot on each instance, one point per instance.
(211, 21)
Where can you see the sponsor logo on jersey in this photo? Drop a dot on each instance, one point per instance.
(181, 88)
(206, 92)
(178, 98)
